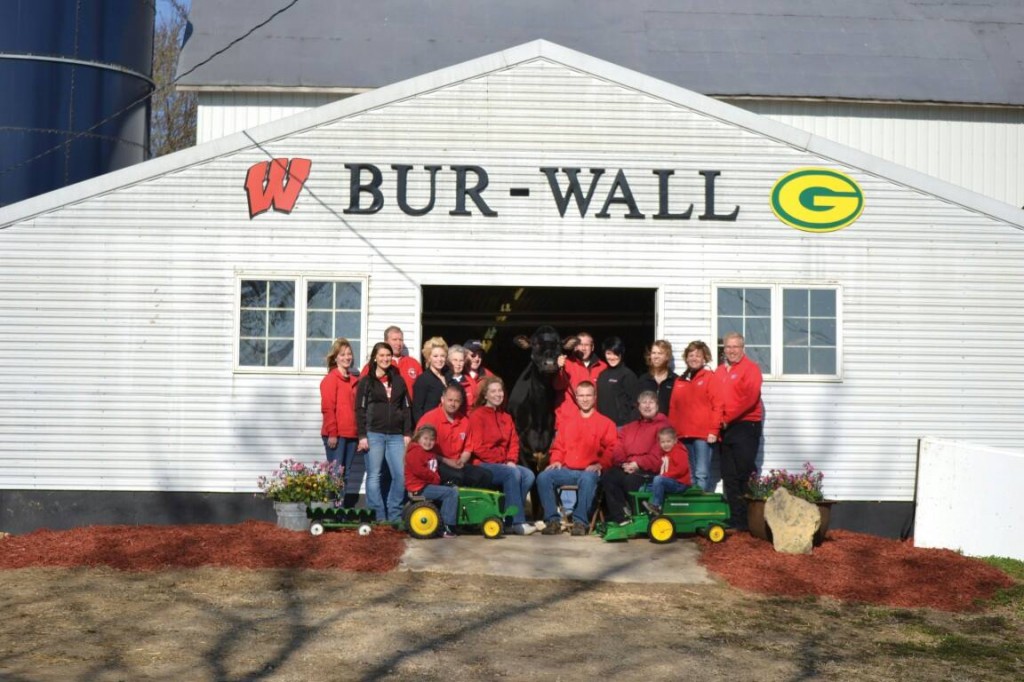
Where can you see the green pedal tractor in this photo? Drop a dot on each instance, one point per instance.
(693, 511)
(479, 509)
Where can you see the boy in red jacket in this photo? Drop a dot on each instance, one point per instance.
(675, 470)
(421, 477)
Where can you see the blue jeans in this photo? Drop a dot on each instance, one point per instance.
(700, 452)
(663, 484)
(390, 447)
(515, 482)
(549, 479)
(449, 498)
(344, 453)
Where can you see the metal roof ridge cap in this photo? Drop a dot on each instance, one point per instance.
(916, 180)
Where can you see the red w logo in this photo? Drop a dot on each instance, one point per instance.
(275, 184)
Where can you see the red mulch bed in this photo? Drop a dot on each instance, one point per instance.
(860, 568)
(848, 566)
(253, 544)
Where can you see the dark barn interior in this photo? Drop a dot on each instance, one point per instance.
(498, 314)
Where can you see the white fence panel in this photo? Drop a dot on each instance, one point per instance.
(969, 498)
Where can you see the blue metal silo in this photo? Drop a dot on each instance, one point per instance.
(64, 68)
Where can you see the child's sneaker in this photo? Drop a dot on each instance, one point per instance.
(652, 509)
(448, 532)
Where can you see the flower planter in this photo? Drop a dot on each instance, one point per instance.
(759, 527)
(292, 516)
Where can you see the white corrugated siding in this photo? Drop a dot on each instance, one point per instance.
(222, 113)
(979, 148)
(117, 313)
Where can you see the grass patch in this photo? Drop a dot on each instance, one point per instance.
(1011, 567)
(970, 652)
(1012, 596)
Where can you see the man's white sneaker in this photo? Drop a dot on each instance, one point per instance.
(524, 529)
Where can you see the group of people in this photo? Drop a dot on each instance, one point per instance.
(443, 424)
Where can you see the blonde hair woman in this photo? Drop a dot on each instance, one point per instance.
(429, 386)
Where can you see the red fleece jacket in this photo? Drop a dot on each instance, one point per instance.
(695, 408)
(452, 436)
(638, 442)
(679, 465)
(407, 366)
(581, 441)
(740, 387)
(492, 436)
(420, 467)
(338, 404)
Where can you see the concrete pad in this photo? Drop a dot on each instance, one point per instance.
(561, 557)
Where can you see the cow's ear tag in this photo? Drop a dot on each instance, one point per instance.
(522, 342)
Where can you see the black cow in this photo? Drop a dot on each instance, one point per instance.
(532, 399)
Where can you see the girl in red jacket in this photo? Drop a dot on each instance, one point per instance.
(675, 475)
(421, 477)
(338, 407)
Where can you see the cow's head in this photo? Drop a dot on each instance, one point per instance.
(545, 346)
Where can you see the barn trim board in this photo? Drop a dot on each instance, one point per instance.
(161, 324)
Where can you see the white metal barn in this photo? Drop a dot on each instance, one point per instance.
(933, 85)
(163, 327)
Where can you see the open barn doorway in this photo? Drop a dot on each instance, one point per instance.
(496, 315)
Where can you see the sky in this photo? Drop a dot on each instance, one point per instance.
(163, 7)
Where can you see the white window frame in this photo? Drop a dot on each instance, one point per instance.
(776, 288)
(301, 282)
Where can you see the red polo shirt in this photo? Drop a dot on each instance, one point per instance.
(452, 434)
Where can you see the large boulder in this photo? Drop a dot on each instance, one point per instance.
(793, 522)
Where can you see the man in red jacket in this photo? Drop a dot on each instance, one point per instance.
(452, 425)
(739, 380)
(408, 366)
(582, 365)
(582, 448)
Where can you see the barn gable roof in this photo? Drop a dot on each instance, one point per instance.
(950, 51)
(536, 50)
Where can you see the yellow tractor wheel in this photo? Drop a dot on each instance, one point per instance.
(661, 530)
(423, 520)
(715, 533)
(492, 528)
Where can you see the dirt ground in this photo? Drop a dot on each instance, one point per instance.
(98, 622)
(228, 624)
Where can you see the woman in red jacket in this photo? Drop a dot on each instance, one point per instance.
(338, 407)
(695, 411)
(636, 458)
(458, 359)
(421, 477)
(495, 446)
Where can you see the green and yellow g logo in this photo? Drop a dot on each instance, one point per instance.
(817, 200)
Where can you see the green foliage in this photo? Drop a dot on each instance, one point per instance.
(1011, 567)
